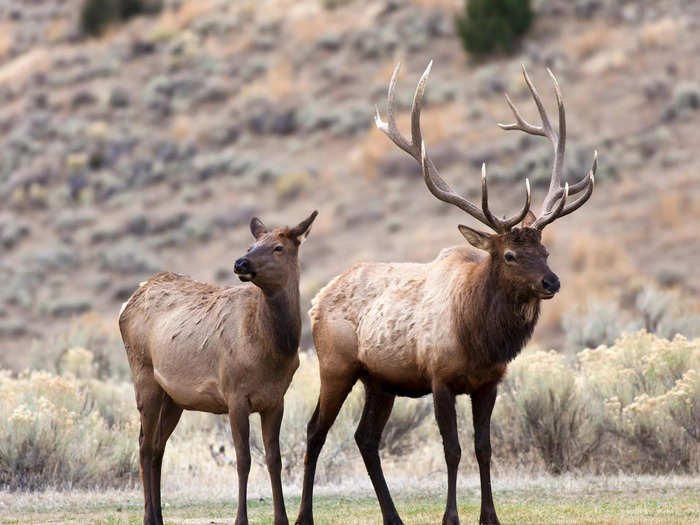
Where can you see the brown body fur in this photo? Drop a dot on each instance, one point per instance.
(391, 310)
(174, 329)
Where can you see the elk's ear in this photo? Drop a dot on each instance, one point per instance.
(476, 238)
(301, 231)
(528, 220)
(257, 228)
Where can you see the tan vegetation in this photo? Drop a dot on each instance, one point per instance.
(630, 407)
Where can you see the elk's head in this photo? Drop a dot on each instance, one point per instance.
(517, 254)
(519, 259)
(272, 260)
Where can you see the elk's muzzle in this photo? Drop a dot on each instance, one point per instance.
(244, 269)
(550, 284)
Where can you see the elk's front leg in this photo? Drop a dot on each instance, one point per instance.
(271, 421)
(444, 401)
(482, 406)
(240, 430)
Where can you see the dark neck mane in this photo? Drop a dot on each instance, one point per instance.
(493, 326)
(281, 309)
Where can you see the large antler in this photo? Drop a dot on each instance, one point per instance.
(554, 205)
(436, 184)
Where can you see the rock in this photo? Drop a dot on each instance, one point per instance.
(140, 48)
(684, 102)
(12, 232)
(331, 41)
(82, 98)
(119, 97)
(215, 91)
(267, 120)
(13, 328)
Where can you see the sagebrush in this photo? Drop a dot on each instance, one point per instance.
(633, 406)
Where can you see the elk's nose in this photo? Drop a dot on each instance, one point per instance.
(551, 283)
(242, 265)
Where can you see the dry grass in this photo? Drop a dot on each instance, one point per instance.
(181, 126)
(660, 33)
(375, 146)
(5, 38)
(670, 209)
(519, 499)
(444, 4)
(280, 81)
(22, 67)
(589, 41)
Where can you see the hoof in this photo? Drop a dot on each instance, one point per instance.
(304, 520)
(393, 521)
(241, 521)
(489, 519)
(450, 518)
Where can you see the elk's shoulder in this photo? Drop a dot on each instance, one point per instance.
(460, 253)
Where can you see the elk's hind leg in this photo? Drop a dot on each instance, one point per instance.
(159, 417)
(375, 414)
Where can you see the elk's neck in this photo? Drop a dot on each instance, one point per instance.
(493, 323)
(280, 308)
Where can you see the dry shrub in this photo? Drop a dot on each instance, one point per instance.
(64, 432)
(550, 410)
(596, 324)
(649, 388)
(97, 336)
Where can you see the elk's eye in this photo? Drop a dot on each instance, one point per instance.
(510, 257)
(278, 249)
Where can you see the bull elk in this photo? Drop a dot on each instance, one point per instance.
(230, 351)
(447, 327)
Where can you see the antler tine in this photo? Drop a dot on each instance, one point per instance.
(389, 127)
(503, 224)
(590, 179)
(546, 218)
(509, 223)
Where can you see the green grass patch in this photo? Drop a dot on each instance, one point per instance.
(642, 507)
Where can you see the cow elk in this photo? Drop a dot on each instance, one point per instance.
(447, 327)
(230, 351)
